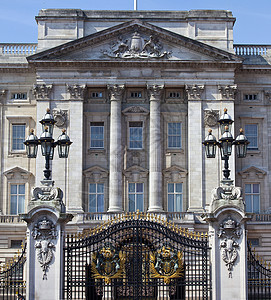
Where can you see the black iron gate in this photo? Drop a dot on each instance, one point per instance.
(137, 257)
(259, 277)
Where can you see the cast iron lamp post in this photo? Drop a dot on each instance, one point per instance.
(225, 143)
(47, 143)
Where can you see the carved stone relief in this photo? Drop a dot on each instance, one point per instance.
(194, 92)
(42, 91)
(47, 193)
(267, 94)
(115, 91)
(155, 91)
(76, 91)
(60, 117)
(227, 92)
(229, 231)
(211, 117)
(137, 47)
(44, 232)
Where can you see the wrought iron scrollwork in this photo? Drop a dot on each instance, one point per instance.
(166, 264)
(108, 263)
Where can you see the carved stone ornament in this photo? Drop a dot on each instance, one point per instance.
(47, 193)
(76, 91)
(137, 47)
(227, 92)
(194, 92)
(229, 231)
(155, 91)
(108, 263)
(211, 117)
(115, 91)
(44, 232)
(60, 117)
(230, 193)
(267, 94)
(166, 264)
(42, 91)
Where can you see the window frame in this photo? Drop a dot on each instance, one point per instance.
(90, 139)
(168, 136)
(13, 149)
(17, 198)
(175, 193)
(96, 196)
(129, 135)
(136, 195)
(249, 148)
(252, 196)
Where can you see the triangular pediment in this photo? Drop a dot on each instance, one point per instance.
(134, 41)
(19, 172)
(252, 172)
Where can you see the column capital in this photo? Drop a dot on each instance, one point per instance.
(115, 91)
(227, 91)
(155, 91)
(42, 91)
(194, 91)
(76, 91)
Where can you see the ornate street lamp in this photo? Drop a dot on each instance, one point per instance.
(47, 143)
(225, 143)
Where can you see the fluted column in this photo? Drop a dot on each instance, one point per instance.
(115, 166)
(155, 168)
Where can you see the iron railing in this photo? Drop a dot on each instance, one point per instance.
(259, 277)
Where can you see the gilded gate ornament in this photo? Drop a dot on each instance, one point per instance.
(166, 264)
(108, 263)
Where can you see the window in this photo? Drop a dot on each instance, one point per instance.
(174, 95)
(17, 198)
(19, 96)
(136, 196)
(251, 132)
(252, 197)
(136, 94)
(96, 197)
(135, 135)
(16, 244)
(97, 135)
(18, 137)
(250, 97)
(175, 197)
(174, 135)
(96, 95)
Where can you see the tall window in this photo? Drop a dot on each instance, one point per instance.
(97, 135)
(96, 197)
(135, 135)
(252, 197)
(136, 196)
(17, 198)
(174, 135)
(175, 197)
(251, 132)
(18, 136)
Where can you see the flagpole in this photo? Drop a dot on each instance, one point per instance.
(135, 4)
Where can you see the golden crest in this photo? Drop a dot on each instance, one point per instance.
(166, 264)
(108, 263)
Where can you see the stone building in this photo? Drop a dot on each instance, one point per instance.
(137, 92)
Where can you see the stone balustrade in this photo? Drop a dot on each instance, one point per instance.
(261, 217)
(11, 219)
(18, 49)
(248, 50)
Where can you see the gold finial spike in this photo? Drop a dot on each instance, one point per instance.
(198, 235)
(134, 214)
(225, 110)
(210, 131)
(48, 110)
(206, 235)
(202, 235)
(265, 263)
(269, 265)
(241, 130)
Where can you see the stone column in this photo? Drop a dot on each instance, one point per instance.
(155, 167)
(228, 242)
(46, 219)
(115, 168)
(195, 124)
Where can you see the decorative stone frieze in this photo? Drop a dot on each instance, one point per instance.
(227, 91)
(211, 117)
(115, 91)
(155, 91)
(137, 47)
(229, 232)
(76, 91)
(135, 110)
(42, 91)
(60, 117)
(194, 91)
(44, 232)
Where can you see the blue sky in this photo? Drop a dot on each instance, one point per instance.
(17, 21)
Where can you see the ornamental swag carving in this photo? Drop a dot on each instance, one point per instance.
(229, 231)
(44, 232)
(211, 117)
(137, 47)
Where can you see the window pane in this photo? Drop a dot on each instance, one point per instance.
(248, 188)
(251, 131)
(248, 203)
(92, 188)
(100, 203)
(131, 202)
(139, 187)
(21, 204)
(135, 137)
(171, 187)
(179, 187)
(100, 188)
(13, 205)
(92, 203)
(21, 189)
(97, 135)
(13, 189)
(131, 188)
(178, 203)
(18, 137)
(174, 135)
(139, 202)
(256, 188)
(170, 202)
(256, 204)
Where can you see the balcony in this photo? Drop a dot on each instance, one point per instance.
(9, 49)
